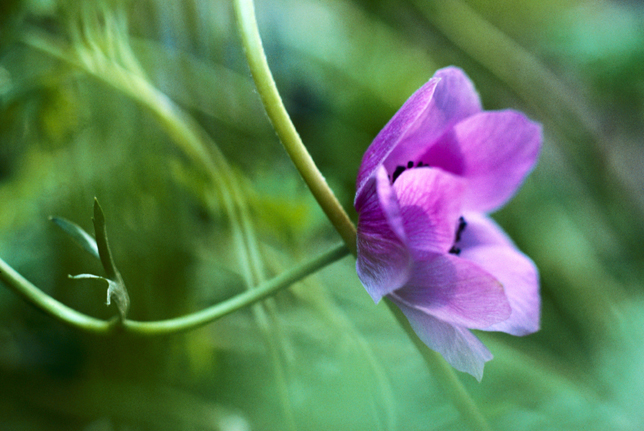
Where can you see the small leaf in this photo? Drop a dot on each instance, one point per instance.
(101, 241)
(116, 285)
(79, 276)
(119, 292)
(115, 289)
(77, 233)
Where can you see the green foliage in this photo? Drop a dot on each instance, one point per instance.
(100, 249)
(148, 105)
(78, 234)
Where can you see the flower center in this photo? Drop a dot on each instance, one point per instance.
(400, 169)
(462, 224)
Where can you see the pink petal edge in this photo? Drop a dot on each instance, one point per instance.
(494, 151)
(384, 260)
(455, 291)
(454, 100)
(391, 134)
(460, 348)
(485, 243)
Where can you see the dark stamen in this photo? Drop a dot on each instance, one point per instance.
(399, 170)
(459, 231)
(462, 224)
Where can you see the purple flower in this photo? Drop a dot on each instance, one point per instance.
(424, 188)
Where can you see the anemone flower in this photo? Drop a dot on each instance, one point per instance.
(424, 189)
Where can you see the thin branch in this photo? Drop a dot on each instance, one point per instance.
(49, 305)
(249, 32)
(73, 318)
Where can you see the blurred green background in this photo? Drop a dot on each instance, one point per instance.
(320, 355)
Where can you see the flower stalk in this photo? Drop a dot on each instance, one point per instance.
(249, 32)
(251, 40)
(22, 287)
(59, 311)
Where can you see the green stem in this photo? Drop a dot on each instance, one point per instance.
(265, 313)
(49, 305)
(247, 25)
(190, 137)
(249, 32)
(78, 320)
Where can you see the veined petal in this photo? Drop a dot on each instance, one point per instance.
(455, 291)
(392, 133)
(495, 151)
(447, 98)
(384, 260)
(484, 243)
(454, 99)
(456, 96)
(430, 205)
(460, 348)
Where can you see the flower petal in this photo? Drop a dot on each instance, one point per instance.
(495, 151)
(484, 243)
(454, 99)
(455, 291)
(430, 205)
(384, 261)
(447, 98)
(460, 348)
(392, 133)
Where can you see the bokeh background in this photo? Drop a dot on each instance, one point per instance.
(320, 355)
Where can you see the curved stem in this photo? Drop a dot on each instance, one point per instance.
(78, 320)
(265, 313)
(30, 293)
(191, 138)
(247, 25)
